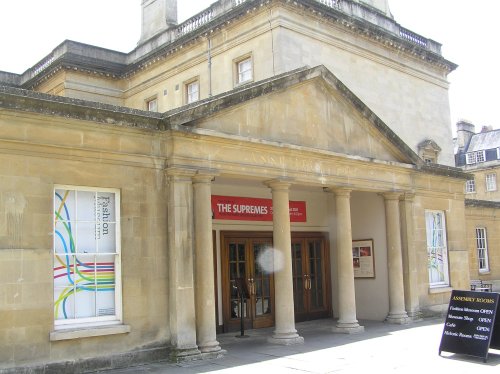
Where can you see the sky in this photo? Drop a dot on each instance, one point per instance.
(31, 29)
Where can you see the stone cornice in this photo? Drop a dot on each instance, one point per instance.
(184, 119)
(471, 203)
(447, 171)
(35, 102)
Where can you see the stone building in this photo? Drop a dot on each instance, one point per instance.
(283, 147)
(479, 155)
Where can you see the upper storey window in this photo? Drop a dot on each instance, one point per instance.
(244, 69)
(192, 91)
(470, 186)
(491, 182)
(475, 157)
(152, 104)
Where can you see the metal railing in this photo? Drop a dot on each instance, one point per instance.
(412, 37)
(330, 3)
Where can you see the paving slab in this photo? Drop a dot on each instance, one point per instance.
(382, 347)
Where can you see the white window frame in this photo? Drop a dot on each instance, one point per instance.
(152, 104)
(482, 250)
(491, 182)
(244, 70)
(475, 157)
(480, 156)
(437, 249)
(470, 186)
(86, 322)
(192, 91)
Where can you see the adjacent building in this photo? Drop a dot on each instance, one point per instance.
(273, 148)
(479, 155)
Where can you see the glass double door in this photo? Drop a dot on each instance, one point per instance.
(248, 258)
(310, 278)
(248, 261)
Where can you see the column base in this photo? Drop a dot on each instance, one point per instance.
(286, 339)
(348, 328)
(209, 347)
(213, 355)
(415, 316)
(398, 318)
(179, 355)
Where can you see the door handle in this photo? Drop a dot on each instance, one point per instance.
(252, 286)
(307, 282)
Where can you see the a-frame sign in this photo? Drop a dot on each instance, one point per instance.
(471, 327)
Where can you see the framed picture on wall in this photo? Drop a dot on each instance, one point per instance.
(363, 258)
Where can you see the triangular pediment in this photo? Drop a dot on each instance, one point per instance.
(309, 108)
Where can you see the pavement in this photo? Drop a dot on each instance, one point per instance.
(382, 347)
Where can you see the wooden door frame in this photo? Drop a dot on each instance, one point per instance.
(302, 235)
(225, 236)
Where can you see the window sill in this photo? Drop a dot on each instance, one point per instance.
(89, 332)
(441, 289)
(242, 84)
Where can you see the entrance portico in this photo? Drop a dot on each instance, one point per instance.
(343, 286)
(382, 174)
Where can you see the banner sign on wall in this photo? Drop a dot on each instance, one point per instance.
(253, 209)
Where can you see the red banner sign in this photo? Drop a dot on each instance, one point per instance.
(253, 209)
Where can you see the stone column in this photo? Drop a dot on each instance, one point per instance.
(347, 322)
(409, 257)
(284, 332)
(204, 275)
(180, 255)
(397, 312)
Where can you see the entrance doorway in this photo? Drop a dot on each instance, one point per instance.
(311, 277)
(240, 258)
(247, 255)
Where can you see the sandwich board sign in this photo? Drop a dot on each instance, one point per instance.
(471, 327)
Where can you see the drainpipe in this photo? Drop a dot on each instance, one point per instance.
(209, 59)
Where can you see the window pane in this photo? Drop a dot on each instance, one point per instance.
(64, 303)
(63, 271)
(192, 92)
(85, 301)
(85, 222)
(153, 105)
(482, 249)
(436, 248)
(244, 70)
(491, 182)
(86, 206)
(86, 237)
(105, 270)
(470, 186)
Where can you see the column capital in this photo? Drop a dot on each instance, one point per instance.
(279, 183)
(391, 195)
(205, 176)
(179, 172)
(339, 191)
(408, 196)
